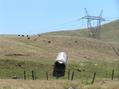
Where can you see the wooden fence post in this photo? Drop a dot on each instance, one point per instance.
(72, 77)
(68, 74)
(94, 75)
(47, 75)
(112, 74)
(24, 75)
(106, 75)
(33, 75)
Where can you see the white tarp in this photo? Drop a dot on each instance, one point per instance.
(62, 57)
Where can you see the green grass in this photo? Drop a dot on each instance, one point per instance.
(9, 68)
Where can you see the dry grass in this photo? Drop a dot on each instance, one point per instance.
(37, 84)
(103, 85)
(56, 84)
(38, 49)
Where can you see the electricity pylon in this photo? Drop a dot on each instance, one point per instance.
(94, 31)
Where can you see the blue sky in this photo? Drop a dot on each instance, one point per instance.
(39, 16)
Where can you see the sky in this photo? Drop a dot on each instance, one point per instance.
(40, 16)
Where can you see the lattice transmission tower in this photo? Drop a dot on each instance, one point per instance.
(94, 24)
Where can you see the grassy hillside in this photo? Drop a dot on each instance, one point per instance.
(38, 53)
(109, 32)
(75, 43)
(45, 48)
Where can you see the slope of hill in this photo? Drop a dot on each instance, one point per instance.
(109, 32)
(38, 52)
(79, 48)
(45, 48)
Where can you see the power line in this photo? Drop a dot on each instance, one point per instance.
(67, 23)
(89, 18)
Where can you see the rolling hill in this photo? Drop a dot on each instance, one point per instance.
(78, 46)
(109, 32)
(19, 53)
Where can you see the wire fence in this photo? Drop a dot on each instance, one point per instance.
(84, 76)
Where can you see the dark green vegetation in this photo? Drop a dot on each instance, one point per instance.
(19, 54)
